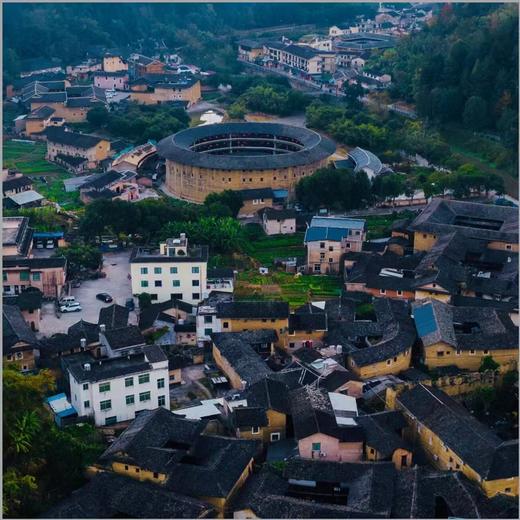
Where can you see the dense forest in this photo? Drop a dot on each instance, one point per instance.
(462, 69)
(66, 31)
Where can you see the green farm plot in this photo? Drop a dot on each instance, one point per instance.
(294, 289)
(29, 159)
(265, 249)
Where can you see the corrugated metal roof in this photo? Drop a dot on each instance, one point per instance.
(338, 222)
(325, 233)
(25, 197)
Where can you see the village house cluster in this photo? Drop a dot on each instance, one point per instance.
(328, 62)
(292, 385)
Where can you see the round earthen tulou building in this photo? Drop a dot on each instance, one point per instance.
(241, 156)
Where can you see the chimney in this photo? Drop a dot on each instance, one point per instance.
(86, 367)
(83, 343)
(102, 328)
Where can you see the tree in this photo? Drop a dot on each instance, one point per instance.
(229, 198)
(145, 300)
(475, 113)
(81, 257)
(98, 116)
(353, 93)
(237, 110)
(488, 363)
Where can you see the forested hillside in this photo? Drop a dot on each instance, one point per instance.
(462, 69)
(65, 31)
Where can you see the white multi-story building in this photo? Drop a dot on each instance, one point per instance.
(174, 271)
(115, 389)
(206, 320)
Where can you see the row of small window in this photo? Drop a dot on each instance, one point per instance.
(175, 283)
(129, 381)
(176, 296)
(173, 270)
(129, 399)
(472, 352)
(24, 276)
(138, 470)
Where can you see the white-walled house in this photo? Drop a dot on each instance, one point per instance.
(206, 320)
(174, 271)
(115, 389)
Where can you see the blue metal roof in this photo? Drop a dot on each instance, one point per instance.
(280, 194)
(425, 320)
(325, 233)
(338, 222)
(48, 234)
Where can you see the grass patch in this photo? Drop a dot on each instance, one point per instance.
(29, 159)
(378, 226)
(265, 249)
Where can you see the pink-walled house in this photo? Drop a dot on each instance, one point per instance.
(111, 80)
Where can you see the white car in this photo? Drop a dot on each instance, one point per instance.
(72, 307)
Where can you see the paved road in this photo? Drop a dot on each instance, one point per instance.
(116, 284)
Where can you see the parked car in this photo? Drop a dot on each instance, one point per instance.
(67, 300)
(130, 304)
(104, 297)
(73, 307)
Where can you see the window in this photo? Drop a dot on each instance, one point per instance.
(158, 283)
(144, 283)
(322, 245)
(207, 332)
(173, 270)
(322, 256)
(4, 277)
(486, 352)
(157, 270)
(195, 270)
(331, 260)
(457, 353)
(9, 357)
(195, 296)
(105, 405)
(507, 490)
(156, 475)
(509, 247)
(316, 446)
(85, 386)
(176, 283)
(19, 355)
(86, 404)
(36, 277)
(195, 283)
(160, 383)
(331, 248)
(144, 378)
(255, 430)
(440, 354)
(137, 470)
(24, 275)
(372, 451)
(144, 270)
(388, 361)
(208, 319)
(395, 359)
(225, 325)
(399, 292)
(110, 420)
(471, 352)
(130, 399)
(129, 381)
(382, 291)
(275, 437)
(144, 396)
(348, 245)
(104, 387)
(161, 400)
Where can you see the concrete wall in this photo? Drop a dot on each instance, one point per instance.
(331, 447)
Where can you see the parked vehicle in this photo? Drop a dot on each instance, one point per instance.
(130, 304)
(67, 300)
(73, 307)
(104, 297)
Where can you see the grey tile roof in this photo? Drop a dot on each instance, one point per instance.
(383, 432)
(272, 393)
(253, 309)
(480, 221)
(338, 378)
(85, 329)
(312, 321)
(483, 328)
(113, 317)
(123, 337)
(30, 299)
(474, 443)
(18, 182)
(60, 136)
(248, 417)
(148, 315)
(241, 356)
(256, 193)
(312, 413)
(15, 329)
(109, 495)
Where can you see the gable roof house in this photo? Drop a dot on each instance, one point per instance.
(20, 345)
(75, 151)
(374, 345)
(113, 317)
(496, 226)
(464, 336)
(110, 185)
(307, 327)
(455, 441)
(328, 239)
(325, 425)
(165, 88)
(172, 452)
